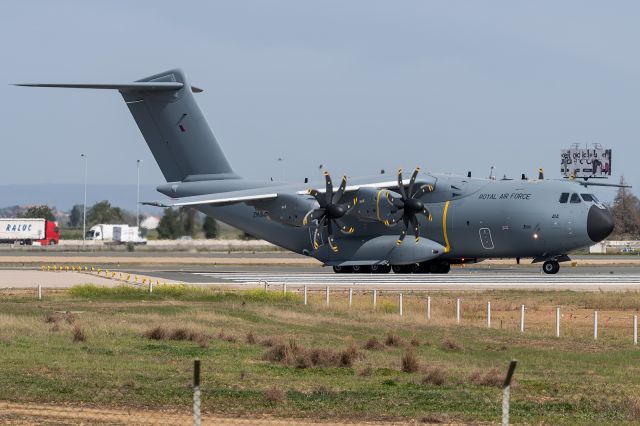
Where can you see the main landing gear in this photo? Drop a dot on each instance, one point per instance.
(551, 267)
(362, 269)
(431, 267)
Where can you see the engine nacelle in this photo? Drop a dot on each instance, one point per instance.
(374, 205)
(288, 209)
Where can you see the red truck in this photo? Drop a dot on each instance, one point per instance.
(29, 231)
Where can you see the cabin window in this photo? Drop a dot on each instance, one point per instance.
(587, 197)
(574, 198)
(564, 197)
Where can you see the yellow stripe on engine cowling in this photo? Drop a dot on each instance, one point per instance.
(447, 247)
(378, 205)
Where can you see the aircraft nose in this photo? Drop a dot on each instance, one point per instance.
(599, 223)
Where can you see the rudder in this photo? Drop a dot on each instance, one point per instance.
(176, 131)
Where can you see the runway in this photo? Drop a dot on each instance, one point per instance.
(586, 278)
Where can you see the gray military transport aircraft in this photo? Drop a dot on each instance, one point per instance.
(360, 225)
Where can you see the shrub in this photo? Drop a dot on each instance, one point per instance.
(492, 378)
(434, 376)
(274, 395)
(393, 340)
(367, 371)
(271, 342)
(373, 344)
(410, 362)
(156, 333)
(79, 334)
(349, 356)
(226, 337)
(293, 354)
(451, 345)
(52, 318)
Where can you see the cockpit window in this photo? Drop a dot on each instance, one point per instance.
(564, 197)
(574, 198)
(587, 197)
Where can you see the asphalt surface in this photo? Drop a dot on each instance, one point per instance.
(499, 277)
(275, 270)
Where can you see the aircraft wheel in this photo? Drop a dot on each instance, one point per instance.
(342, 269)
(360, 269)
(443, 268)
(405, 269)
(380, 269)
(551, 267)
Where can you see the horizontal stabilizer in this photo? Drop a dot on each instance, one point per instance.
(222, 198)
(144, 86)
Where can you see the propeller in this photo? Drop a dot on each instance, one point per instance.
(409, 205)
(330, 212)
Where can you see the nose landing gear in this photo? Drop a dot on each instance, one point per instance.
(551, 267)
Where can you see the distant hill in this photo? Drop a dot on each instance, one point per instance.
(64, 196)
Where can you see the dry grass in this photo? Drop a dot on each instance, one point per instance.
(78, 334)
(274, 395)
(449, 344)
(270, 342)
(415, 342)
(227, 337)
(250, 338)
(156, 333)
(181, 333)
(491, 378)
(410, 362)
(373, 344)
(434, 376)
(295, 355)
(393, 340)
(631, 406)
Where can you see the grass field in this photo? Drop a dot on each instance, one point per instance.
(266, 354)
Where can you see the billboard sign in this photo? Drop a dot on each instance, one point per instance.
(579, 162)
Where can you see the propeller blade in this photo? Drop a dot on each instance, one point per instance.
(412, 181)
(340, 192)
(332, 244)
(425, 211)
(423, 190)
(330, 239)
(318, 196)
(394, 220)
(329, 185)
(313, 215)
(416, 227)
(352, 204)
(400, 185)
(403, 233)
(344, 227)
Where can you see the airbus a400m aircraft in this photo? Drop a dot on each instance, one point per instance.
(421, 224)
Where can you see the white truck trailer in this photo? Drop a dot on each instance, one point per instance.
(115, 233)
(28, 231)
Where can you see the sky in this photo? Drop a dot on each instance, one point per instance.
(357, 86)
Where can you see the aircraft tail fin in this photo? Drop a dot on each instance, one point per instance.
(172, 125)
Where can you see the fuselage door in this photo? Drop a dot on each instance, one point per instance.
(485, 238)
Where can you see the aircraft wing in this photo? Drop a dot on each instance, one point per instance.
(388, 184)
(219, 199)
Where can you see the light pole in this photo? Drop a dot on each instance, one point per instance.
(84, 209)
(138, 194)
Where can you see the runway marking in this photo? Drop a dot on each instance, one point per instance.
(497, 279)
